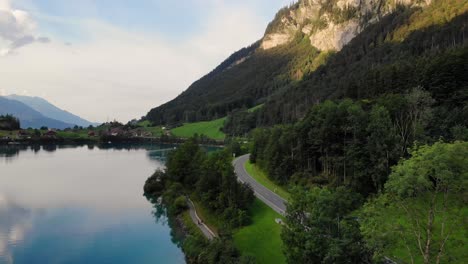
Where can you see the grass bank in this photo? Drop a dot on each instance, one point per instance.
(262, 178)
(262, 238)
(211, 129)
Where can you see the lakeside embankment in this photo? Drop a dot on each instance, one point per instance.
(97, 140)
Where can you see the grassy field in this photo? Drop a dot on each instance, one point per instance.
(80, 134)
(145, 123)
(4, 133)
(155, 131)
(211, 129)
(262, 178)
(262, 238)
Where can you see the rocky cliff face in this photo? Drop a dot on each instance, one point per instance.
(329, 24)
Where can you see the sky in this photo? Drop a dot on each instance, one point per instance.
(117, 59)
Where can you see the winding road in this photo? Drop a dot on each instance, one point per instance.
(261, 192)
(204, 228)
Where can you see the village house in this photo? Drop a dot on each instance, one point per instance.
(50, 134)
(23, 134)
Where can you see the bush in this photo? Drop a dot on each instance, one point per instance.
(154, 185)
(180, 204)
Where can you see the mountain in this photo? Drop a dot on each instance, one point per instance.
(330, 49)
(51, 111)
(28, 117)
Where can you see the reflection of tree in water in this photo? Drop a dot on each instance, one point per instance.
(158, 155)
(160, 215)
(49, 148)
(13, 151)
(157, 152)
(8, 152)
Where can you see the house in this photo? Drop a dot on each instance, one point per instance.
(117, 132)
(23, 134)
(91, 134)
(50, 134)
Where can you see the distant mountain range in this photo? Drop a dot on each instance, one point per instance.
(36, 112)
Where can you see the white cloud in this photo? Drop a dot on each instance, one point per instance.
(119, 74)
(17, 29)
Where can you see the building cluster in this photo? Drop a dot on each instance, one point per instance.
(127, 133)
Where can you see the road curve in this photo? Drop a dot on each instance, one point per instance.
(261, 192)
(204, 228)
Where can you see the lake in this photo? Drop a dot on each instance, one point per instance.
(81, 204)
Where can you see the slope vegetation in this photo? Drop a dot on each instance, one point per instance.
(402, 47)
(210, 129)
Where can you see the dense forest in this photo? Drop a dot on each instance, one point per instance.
(234, 84)
(408, 48)
(372, 180)
(370, 140)
(9, 122)
(209, 179)
(354, 142)
(418, 217)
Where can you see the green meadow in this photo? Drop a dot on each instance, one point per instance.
(211, 129)
(262, 238)
(261, 177)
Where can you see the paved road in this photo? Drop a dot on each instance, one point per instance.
(204, 228)
(268, 197)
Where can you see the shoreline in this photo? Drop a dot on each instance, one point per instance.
(107, 140)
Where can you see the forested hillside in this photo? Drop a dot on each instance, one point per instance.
(246, 78)
(404, 47)
(362, 119)
(409, 48)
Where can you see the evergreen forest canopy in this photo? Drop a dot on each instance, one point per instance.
(370, 140)
(209, 179)
(9, 122)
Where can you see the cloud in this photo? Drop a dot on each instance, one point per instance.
(17, 29)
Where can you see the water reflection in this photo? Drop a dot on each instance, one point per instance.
(15, 221)
(160, 215)
(81, 204)
(157, 152)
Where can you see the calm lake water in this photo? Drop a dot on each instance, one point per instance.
(80, 205)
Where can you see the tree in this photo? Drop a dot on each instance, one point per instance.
(320, 229)
(423, 206)
(184, 165)
(410, 114)
(381, 145)
(220, 191)
(9, 122)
